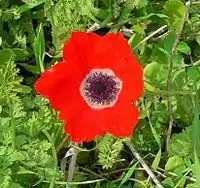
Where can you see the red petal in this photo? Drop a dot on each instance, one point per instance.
(79, 47)
(132, 77)
(123, 119)
(119, 120)
(110, 50)
(56, 84)
(115, 43)
(86, 125)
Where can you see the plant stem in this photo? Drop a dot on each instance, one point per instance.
(195, 64)
(12, 125)
(13, 134)
(143, 163)
(169, 79)
(149, 36)
(52, 184)
(72, 166)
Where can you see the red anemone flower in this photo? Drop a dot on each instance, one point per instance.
(95, 86)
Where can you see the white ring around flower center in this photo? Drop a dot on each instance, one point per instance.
(106, 73)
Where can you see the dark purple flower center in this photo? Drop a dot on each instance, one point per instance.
(101, 88)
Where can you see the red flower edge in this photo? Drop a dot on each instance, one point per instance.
(95, 86)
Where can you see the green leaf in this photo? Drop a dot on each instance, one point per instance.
(169, 181)
(109, 150)
(180, 79)
(175, 162)
(156, 160)
(184, 48)
(175, 9)
(39, 48)
(168, 45)
(5, 178)
(22, 89)
(150, 87)
(14, 185)
(196, 140)
(30, 68)
(169, 41)
(158, 15)
(20, 54)
(21, 140)
(6, 55)
(182, 140)
(128, 174)
(136, 39)
(196, 167)
(196, 127)
(100, 13)
(69, 15)
(29, 6)
(187, 162)
(138, 28)
(193, 185)
(194, 74)
(160, 55)
(24, 171)
(151, 71)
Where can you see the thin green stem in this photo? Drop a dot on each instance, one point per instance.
(148, 37)
(12, 124)
(52, 184)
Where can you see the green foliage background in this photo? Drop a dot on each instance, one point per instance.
(32, 142)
